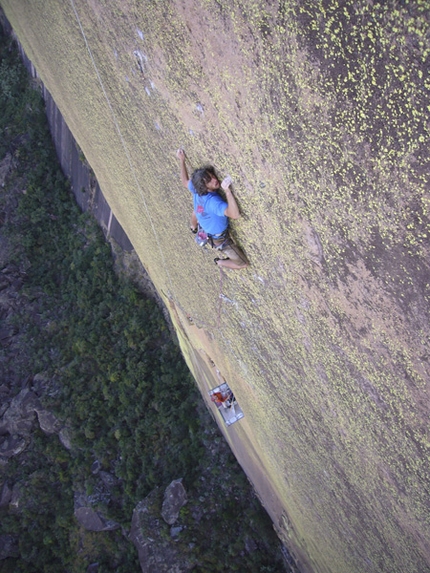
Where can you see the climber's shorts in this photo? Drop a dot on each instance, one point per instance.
(230, 250)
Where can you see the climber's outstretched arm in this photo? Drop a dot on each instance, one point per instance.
(180, 154)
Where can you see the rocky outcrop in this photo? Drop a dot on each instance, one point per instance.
(89, 517)
(156, 548)
(175, 497)
(19, 417)
(65, 436)
(18, 420)
(93, 521)
(5, 495)
(48, 422)
(12, 445)
(16, 497)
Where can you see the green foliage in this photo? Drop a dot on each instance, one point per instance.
(20, 104)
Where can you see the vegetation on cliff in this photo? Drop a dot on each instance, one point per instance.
(108, 369)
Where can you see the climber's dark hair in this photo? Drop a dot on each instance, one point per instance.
(202, 176)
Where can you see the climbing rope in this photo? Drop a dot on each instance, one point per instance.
(221, 276)
(123, 143)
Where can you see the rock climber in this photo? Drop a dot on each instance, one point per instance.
(211, 212)
(224, 400)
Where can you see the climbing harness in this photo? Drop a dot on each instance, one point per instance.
(203, 238)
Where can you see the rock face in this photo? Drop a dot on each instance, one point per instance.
(321, 114)
(20, 415)
(175, 497)
(65, 436)
(18, 420)
(89, 518)
(16, 423)
(156, 549)
(6, 495)
(12, 445)
(48, 422)
(93, 521)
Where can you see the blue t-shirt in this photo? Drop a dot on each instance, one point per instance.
(209, 210)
